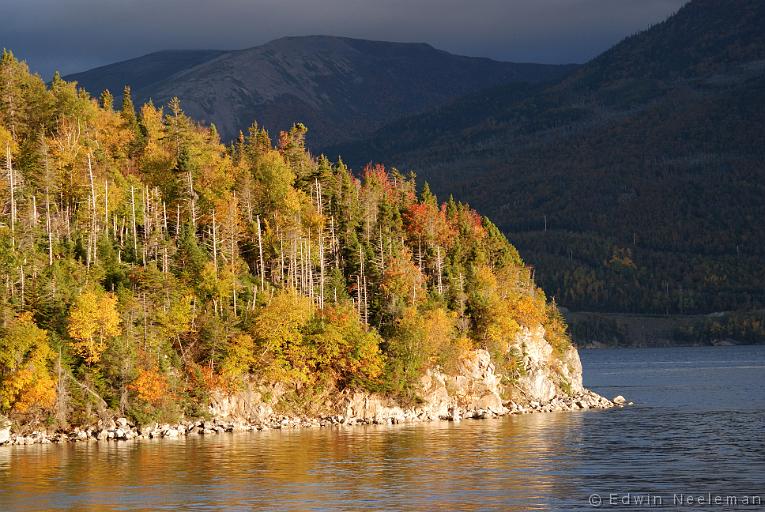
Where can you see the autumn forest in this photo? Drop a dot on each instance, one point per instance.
(146, 265)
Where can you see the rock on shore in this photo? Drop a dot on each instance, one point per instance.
(5, 430)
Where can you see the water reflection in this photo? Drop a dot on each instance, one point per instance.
(678, 440)
(518, 462)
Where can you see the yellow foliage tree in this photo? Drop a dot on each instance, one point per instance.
(92, 321)
(176, 319)
(528, 310)
(556, 330)
(25, 356)
(278, 331)
(439, 330)
(345, 348)
(495, 324)
(239, 357)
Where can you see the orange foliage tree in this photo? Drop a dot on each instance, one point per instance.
(151, 386)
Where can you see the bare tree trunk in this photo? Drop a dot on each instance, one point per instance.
(60, 393)
(146, 219)
(34, 210)
(92, 236)
(21, 271)
(135, 230)
(366, 303)
(439, 266)
(106, 206)
(302, 268)
(361, 281)
(49, 228)
(419, 251)
(294, 263)
(12, 188)
(215, 242)
(260, 255)
(382, 254)
(281, 258)
(333, 243)
(319, 205)
(164, 217)
(232, 249)
(192, 202)
(358, 294)
(321, 270)
(309, 266)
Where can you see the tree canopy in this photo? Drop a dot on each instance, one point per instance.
(145, 263)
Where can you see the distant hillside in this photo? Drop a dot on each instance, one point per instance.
(341, 88)
(635, 184)
(141, 72)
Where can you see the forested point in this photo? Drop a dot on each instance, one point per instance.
(147, 265)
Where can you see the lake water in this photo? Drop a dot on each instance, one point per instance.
(698, 427)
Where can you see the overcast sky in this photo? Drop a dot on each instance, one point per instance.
(74, 35)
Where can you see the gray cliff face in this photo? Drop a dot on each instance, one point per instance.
(547, 382)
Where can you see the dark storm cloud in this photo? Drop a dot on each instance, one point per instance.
(73, 35)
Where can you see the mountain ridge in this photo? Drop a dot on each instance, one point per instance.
(329, 83)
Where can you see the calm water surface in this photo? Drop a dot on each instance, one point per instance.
(698, 426)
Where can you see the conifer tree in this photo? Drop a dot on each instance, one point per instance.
(164, 265)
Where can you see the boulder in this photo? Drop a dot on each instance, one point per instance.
(5, 431)
(619, 400)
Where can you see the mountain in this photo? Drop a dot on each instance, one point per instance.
(141, 72)
(341, 88)
(635, 184)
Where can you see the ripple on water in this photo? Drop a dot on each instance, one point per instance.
(693, 431)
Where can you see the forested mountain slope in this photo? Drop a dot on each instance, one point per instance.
(636, 183)
(342, 88)
(145, 266)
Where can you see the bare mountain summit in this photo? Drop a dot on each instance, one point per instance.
(341, 88)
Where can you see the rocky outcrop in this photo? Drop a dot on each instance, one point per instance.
(251, 405)
(546, 381)
(546, 375)
(475, 391)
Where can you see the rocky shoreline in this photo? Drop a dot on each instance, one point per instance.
(546, 382)
(123, 430)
